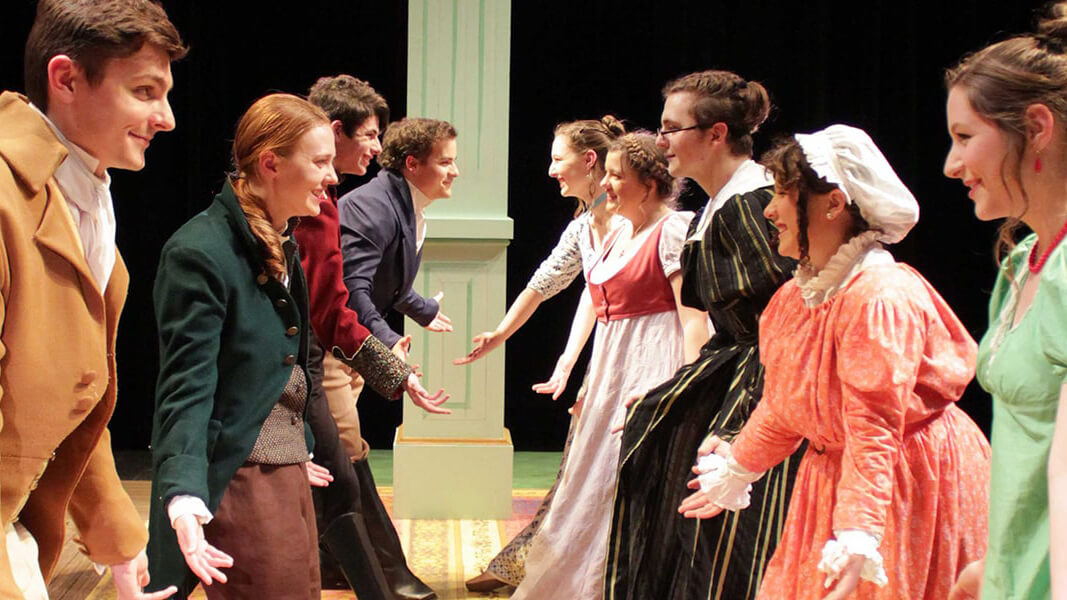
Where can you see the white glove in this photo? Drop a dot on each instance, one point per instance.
(852, 542)
(726, 483)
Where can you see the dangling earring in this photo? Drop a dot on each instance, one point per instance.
(1037, 164)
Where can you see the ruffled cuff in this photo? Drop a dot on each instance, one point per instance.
(379, 367)
(726, 483)
(852, 542)
(184, 504)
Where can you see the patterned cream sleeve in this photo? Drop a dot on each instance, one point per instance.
(563, 264)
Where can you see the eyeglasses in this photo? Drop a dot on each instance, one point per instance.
(665, 132)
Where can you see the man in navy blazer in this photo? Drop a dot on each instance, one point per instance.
(382, 228)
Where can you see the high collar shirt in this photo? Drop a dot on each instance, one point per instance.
(749, 176)
(420, 202)
(89, 201)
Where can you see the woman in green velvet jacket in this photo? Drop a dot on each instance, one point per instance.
(230, 447)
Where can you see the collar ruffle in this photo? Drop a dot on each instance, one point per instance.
(852, 257)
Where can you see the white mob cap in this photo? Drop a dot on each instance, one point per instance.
(847, 156)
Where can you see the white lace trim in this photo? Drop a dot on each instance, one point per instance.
(727, 484)
(851, 258)
(852, 542)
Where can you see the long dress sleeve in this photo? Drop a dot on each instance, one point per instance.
(750, 267)
(563, 264)
(765, 440)
(879, 350)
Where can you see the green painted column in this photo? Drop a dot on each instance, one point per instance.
(459, 465)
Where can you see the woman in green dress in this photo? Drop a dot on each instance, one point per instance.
(730, 269)
(1007, 116)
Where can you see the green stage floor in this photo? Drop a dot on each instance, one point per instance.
(530, 470)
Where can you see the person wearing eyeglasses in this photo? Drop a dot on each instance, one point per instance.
(359, 546)
(730, 270)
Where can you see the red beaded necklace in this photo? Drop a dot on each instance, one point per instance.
(1035, 267)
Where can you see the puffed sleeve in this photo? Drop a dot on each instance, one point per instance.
(1053, 312)
(671, 239)
(879, 349)
(765, 440)
(190, 304)
(563, 264)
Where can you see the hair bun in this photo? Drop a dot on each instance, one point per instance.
(757, 105)
(613, 125)
(1054, 24)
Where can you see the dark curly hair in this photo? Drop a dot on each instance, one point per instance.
(791, 170)
(412, 137)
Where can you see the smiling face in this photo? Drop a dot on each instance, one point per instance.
(116, 119)
(625, 192)
(434, 175)
(301, 178)
(355, 152)
(570, 169)
(982, 157)
(782, 213)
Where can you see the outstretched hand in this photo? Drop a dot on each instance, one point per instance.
(969, 584)
(850, 579)
(441, 322)
(204, 560)
(318, 475)
(626, 404)
(484, 343)
(423, 399)
(555, 384)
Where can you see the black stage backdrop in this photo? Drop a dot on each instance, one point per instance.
(877, 65)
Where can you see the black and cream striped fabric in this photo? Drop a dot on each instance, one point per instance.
(731, 272)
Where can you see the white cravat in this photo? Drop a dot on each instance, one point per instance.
(419, 202)
(89, 201)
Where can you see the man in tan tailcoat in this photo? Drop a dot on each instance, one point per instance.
(97, 74)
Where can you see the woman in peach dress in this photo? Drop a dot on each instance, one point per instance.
(864, 360)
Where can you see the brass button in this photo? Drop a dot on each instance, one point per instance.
(281, 303)
(294, 419)
(292, 331)
(262, 279)
(289, 361)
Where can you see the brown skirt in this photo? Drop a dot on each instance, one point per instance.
(266, 522)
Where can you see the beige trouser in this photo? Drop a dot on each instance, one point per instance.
(342, 387)
(22, 553)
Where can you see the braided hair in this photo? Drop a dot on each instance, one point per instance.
(275, 122)
(646, 159)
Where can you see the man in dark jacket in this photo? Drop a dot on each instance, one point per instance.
(354, 526)
(383, 227)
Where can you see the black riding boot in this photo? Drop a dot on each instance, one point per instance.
(404, 584)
